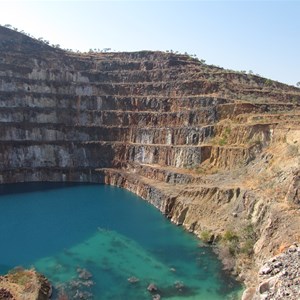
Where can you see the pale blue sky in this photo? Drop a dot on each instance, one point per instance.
(262, 36)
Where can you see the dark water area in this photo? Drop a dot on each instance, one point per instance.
(103, 242)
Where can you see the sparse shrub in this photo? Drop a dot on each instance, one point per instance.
(230, 236)
(242, 242)
(249, 239)
(227, 131)
(199, 170)
(233, 247)
(224, 136)
(205, 236)
(247, 247)
(231, 239)
(248, 231)
(223, 141)
(268, 82)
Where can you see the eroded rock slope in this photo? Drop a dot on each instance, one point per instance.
(215, 150)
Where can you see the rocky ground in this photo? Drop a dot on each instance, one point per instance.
(279, 278)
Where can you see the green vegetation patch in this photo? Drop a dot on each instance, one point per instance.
(20, 276)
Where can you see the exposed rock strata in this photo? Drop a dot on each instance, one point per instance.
(215, 150)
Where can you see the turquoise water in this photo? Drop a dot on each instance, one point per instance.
(93, 240)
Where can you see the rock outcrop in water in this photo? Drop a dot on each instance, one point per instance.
(22, 284)
(215, 150)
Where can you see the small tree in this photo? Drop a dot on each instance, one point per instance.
(298, 84)
(268, 82)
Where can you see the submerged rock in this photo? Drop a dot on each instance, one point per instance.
(133, 279)
(152, 288)
(179, 285)
(84, 274)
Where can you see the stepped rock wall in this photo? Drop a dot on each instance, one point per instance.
(203, 144)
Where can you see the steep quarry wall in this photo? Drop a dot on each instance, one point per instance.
(216, 151)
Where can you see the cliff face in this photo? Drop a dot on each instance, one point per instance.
(215, 150)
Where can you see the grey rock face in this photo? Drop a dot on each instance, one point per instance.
(280, 276)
